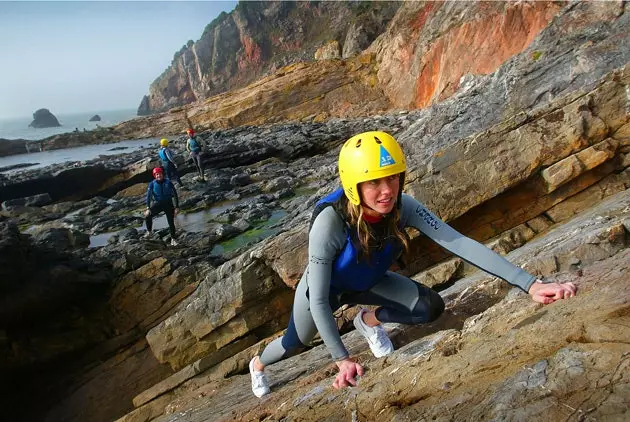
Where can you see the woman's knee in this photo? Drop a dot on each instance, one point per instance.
(436, 308)
(428, 308)
(291, 345)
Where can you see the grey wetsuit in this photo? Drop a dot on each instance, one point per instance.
(401, 299)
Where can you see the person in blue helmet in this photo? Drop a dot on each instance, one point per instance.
(161, 197)
(193, 146)
(168, 162)
(357, 233)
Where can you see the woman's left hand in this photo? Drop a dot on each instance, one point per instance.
(550, 292)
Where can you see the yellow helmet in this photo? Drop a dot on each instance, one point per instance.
(368, 156)
(164, 142)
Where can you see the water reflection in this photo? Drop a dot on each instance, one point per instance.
(200, 222)
(251, 236)
(82, 153)
(100, 239)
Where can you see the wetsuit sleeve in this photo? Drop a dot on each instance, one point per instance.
(174, 196)
(326, 238)
(149, 195)
(415, 214)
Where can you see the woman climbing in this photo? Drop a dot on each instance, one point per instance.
(357, 233)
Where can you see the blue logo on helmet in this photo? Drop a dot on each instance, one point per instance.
(386, 158)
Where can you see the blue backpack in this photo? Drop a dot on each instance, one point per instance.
(194, 145)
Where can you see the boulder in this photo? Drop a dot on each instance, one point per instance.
(13, 256)
(28, 201)
(95, 118)
(356, 41)
(328, 51)
(12, 146)
(59, 239)
(44, 118)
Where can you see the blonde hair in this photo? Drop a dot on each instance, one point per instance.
(367, 240)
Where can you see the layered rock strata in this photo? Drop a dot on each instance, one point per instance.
(256, 39)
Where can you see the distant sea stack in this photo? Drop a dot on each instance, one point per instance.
(44, 118)
(144, 109)
(95, 118)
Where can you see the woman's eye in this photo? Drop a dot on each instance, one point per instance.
(393, 177)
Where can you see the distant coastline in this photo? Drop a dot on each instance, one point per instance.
(17, 128)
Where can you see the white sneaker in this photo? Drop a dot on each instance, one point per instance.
(147, 235)
(173, 242)
(377, 338)
(260, 386)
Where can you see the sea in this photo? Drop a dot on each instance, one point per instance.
(17, 128)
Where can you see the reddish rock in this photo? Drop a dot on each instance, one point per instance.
(479, 47)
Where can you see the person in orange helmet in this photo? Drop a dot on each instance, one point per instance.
(161, 197)
(193, 146)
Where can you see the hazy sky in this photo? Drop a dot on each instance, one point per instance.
(91, 56)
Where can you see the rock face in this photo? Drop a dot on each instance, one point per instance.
(430, 46)
(44, 118)
(413, 52)
(494, 352)
(257, 38)
(328, 51)
(394, 71)
(95, 118)
(318, 91)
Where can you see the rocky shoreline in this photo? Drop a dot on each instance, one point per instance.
(252, 173)
(142, 286)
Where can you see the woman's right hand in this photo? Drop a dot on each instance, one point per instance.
(550, 292)
(348, 370)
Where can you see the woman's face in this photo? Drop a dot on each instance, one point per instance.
(379, 196)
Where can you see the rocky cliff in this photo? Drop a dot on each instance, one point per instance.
(257, 38)
(426, 53)
(420, 56)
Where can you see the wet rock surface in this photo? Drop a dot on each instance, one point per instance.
(11, 147)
